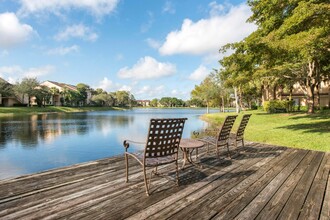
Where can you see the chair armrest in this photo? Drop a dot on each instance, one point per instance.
(207, 132)
(127, 142)
(211, 132)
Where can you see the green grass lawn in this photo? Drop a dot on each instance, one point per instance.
(296, 130)
(5, 111)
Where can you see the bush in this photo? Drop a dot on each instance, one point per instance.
(274, 106)
(254, 106)
(324, 108)
(20, 105)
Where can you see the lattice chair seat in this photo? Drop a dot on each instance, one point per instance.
(161, 147)
(155, 160)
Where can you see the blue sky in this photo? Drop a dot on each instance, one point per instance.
(153, 48)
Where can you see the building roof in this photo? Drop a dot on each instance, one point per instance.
(64, 85)
(1, 79)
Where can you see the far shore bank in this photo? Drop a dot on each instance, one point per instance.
(10, 111)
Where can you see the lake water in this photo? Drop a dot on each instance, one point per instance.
(34, 143)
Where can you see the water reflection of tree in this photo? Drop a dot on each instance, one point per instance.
(103, 121)
(30, 130)
(18, 129)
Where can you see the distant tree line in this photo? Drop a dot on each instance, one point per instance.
(167, 102)
(118, 98)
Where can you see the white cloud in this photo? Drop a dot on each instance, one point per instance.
(147, 68)
(125, 88)
(63, 50)
(180, 94)
(14, 73)
(110, 86)
(39, 71)
(77, 31)
(146, 26)
(153, 43)
(12, 32)
(168, 8)
(199, 74)
(8, 70)
(105, 84)
(208, 35)
(149, 91)
(96, 7)
(217, 9)
(174, 92)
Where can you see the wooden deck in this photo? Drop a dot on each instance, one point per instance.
(260, 182)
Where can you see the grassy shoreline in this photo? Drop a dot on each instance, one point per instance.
(10, 111)
(296, 130)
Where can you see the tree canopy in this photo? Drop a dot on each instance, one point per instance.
(291, 44)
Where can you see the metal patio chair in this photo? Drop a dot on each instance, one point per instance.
(161, 147)
(239, 136)
(221, 138)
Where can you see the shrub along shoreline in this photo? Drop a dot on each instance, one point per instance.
(296, 130)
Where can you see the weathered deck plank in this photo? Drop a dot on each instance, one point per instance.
(239, 204)
(261, 182)
(277, 202)
(325, 213)
(219, 198)
(294, 205)
(313, 204)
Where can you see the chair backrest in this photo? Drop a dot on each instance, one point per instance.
(164, 137)
(226, 127)
(242, 126)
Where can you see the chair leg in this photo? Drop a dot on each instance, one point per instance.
(228, 151)
(126, 162)
(146, 180)
(217, 152)
(242, 142)
(177, 173)
(236, 146)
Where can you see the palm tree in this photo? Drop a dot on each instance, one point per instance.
(54, 91)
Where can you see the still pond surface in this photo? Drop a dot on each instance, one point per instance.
(35, 143)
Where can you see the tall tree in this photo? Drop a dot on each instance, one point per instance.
(154, 103)
(26, 86)
(83, 90)
(123, 98)
(42, 95)
(301, 30)
(54, 91)
(104, 99)
(206, 91)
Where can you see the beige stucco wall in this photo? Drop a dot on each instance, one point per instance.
(9, 102)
